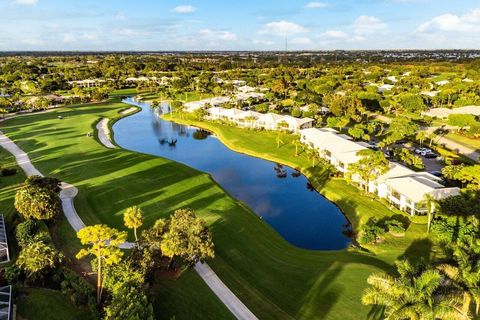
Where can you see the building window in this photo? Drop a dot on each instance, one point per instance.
(394, 194)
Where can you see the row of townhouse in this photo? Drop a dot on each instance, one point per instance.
(267, 121)
(402, 187)
(88, 83)
(218, 101)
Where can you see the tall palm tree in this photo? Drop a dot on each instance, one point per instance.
(464, 273)
(313, 155)
(431, 205)
(416, 294)
(297, 144)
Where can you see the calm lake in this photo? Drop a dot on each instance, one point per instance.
(278, 194)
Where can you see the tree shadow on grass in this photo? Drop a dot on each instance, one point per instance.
(323, 295)
(419, 251)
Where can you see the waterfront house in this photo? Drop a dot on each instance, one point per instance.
(406, 189)
(409, 193)
(248, 119)
(269, 121)
(215, 113)
(339, 150)
(400, 186)
(88, 83)
(297, 124)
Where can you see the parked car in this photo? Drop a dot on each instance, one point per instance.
(373, 143)
(430, 155)
(402, 141)
(422, 151)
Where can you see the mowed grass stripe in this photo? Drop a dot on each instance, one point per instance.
(273, 278)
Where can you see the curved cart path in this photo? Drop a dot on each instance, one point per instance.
(68, 193)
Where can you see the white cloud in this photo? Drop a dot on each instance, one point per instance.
(68, 38)
(215, 35)
(301, 41)
(367, 25)
(282, 28)
(33, 42)
(334, 34)
(27, 2)
(469, 22)
(88, 37)
(315, 5)
(263, 42)
(184, 9)
(120, 15)
(125, 32)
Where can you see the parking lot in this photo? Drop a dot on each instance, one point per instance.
(431, 164)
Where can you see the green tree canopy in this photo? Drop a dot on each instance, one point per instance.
(133, 219)
(187, 237)
(371, 165)
(103, 243)
(37, 258)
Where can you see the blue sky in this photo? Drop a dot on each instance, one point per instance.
(238, 25)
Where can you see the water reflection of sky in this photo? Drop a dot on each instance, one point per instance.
(303, 217)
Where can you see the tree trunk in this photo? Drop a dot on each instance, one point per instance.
(429, 220)
(170, 263)
(467, 300)
(99, 281)
(135, 233)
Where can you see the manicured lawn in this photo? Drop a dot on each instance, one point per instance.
(41, 304)
(9, 184)
(273, 278)
(171, 296)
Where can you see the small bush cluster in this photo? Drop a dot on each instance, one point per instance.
(373, 230)
(395, 227)
(77, 289)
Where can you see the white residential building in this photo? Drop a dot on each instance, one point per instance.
(239, 83)
(442, 83)
(269, 121)
(242, 96)
(385, 87)
(248, 119)
(338, 149)
(402, 187)
(245, 89)
(88, 83)
(214, 102)
(297, 124)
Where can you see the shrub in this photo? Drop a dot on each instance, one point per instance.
(9, 172)
(371, 232)
(442, 230)
(79, 291)
(31, 231)
(34, 202)
(395, 226)
(25, 232)
(12, 274)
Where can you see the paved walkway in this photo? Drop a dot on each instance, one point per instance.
(104, 133)
(239, 310)
(68, 193)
